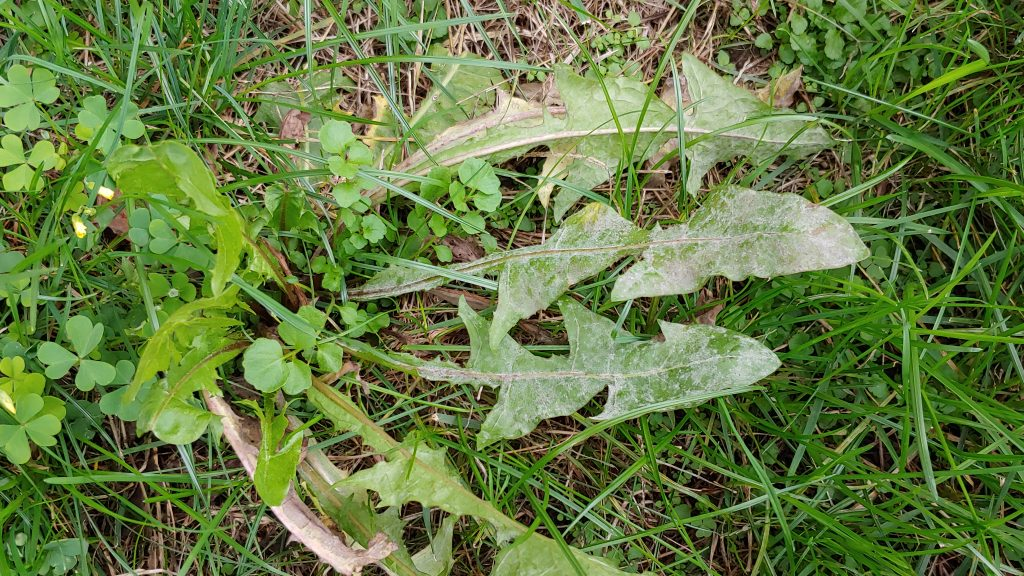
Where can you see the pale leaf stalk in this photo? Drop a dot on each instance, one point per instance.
(304, 525)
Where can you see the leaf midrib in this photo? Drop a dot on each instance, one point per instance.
(507, 377)
(530, 253)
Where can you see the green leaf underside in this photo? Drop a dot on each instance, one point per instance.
(737, 233)
(414, 472)
(172, 169)
(692, 364)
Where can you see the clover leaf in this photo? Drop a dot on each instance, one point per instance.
(161, 237)
(13, 376)
(84, 337)
(93, 116)
(22, 91)
(148, 231)
(36, 419)
(23, 169)
(63, 555)
(112, 403)
(15, 382)
(12, 284)
(174, 292)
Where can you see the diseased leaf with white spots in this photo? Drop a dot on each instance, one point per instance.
(590, 241)
(530, 278)
(691, 365)
(739, 233)
(726, 122)
(586, 138)
(584, 143)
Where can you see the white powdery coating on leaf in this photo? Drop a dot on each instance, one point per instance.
(590, 241)
(691, 365)
(743, 125)
(741, 233)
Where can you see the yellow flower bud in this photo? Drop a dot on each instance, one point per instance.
(106, 192)
(7, 402)
(78, 225)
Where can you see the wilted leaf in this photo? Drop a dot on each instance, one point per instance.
(739, 233)
(692, 364)
(781, 92)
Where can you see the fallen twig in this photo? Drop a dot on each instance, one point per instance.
(302, 522)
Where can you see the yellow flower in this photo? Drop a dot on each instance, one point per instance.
(7, 402)
(78, 225)
(106, 192)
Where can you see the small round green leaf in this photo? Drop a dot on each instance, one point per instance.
(335, 136)
(298, 377)
(264, 365)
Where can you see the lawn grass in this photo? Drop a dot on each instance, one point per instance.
(890, 442)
